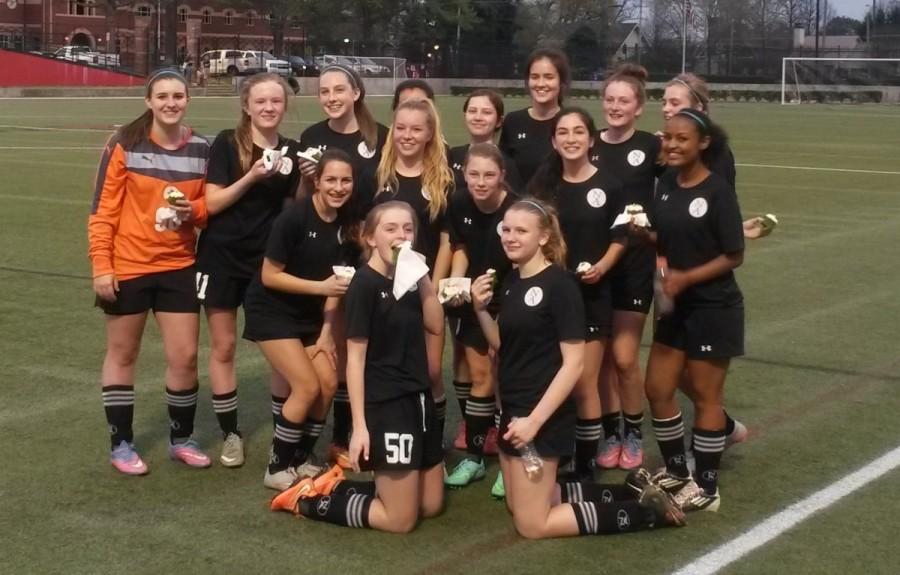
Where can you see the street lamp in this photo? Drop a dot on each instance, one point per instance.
(352, 45)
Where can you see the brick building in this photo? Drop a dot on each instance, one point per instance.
(135, 31)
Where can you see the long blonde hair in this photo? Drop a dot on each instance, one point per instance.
(436, 176)
(555, 248)
(243, 135)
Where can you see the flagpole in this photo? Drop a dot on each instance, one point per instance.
(684, 38)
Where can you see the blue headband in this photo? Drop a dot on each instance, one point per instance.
(695, 116)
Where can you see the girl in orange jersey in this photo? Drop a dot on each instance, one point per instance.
(147, 202)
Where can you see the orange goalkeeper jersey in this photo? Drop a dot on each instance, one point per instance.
(122, 236)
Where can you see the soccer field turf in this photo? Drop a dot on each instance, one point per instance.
(817, 388)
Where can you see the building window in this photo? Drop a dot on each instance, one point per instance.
(250, 18)
(182, 15)
(82, 8)
(207, 16)
(228, 17)
(143, 10)
(5, 41)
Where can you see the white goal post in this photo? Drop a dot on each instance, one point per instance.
(794, 90)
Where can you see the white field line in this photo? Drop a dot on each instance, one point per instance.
(814, 169)
(777, 524)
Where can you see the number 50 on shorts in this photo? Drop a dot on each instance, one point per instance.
(398, 447)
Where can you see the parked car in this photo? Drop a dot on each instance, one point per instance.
(85, 55)
(301, 66)
(266, 62)
(230, 62)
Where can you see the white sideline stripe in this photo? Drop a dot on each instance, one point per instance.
(777, 524)
(814, 169)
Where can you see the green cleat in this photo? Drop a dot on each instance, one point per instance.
(465, 473)
(498, 490)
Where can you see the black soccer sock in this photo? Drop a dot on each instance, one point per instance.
(577, 492)
(349, 487)
(225, 406)
(346, 510)
(182, 408)
(587, 437)
(605, 519)
(729, 423)
(670, 437)
(277, 404)
(340, 435)
(463, 390)
(633, 423)
(708, 448)
(479, 416)
(440, 412)
(284, 443)
(118, 403)
(611, 424)
(312, 429)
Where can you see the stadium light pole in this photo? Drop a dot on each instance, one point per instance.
(684, 37)
(868, 22)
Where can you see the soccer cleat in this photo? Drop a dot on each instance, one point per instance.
(490, 442)
(288, 499)
(189, 453)
(610, 454)
(694, 498)
(669, 482)
(465, 472)
(339, 455)
(498, 489)
(280, 480)
(665, 507)
(638, 480)
(632, 455)
(126, 460)
(738, 435)
(460, 441)
(232, 451)
(308, 468)
(307, 487)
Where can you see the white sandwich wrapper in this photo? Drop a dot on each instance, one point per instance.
(271, 158)
(450, 288)
(409, 268)
(310, 155)
(633, 214)
(344, 272)
(583, 268)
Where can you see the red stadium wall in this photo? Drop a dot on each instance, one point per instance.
(20, 70)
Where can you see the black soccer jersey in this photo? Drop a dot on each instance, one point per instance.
(696, 225)
(634, 163)
(234, 240)
(526, 141)
(321, 136)
(536, 314)
(587, 211)
(457, 159)
(411, 191)
(396, 363)
(308, 247)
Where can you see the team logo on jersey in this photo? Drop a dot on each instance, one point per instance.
(595, 158)
(340, 235)
(596, 198)
(426, 194)
(457, 166)
(534, 296)
(286, 166)
(705, 348)
(636, 157)
(467, 221)
(500, 228)
(363, 150)
(522, 135)
(698, 207)
(384, 295)
(664, 198)
(623, 520)
(312, 234)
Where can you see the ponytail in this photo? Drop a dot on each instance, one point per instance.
(243, 135)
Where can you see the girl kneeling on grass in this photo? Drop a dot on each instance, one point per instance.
(541, 325)
(395, 426)
(147, 202)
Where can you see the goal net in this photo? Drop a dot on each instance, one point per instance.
(840, 80)
(380, 74)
